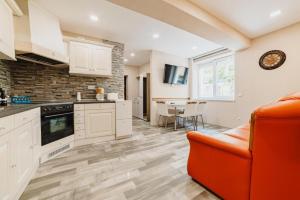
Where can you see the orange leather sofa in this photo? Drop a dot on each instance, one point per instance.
(257, 161)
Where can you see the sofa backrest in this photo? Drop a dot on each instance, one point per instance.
(275, 146)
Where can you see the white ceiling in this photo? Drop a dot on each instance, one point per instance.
(251, 17)
(128, 27)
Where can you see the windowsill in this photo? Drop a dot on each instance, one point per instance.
(214, 99)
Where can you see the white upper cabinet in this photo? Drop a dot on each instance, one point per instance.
(101, 60)
(79, 57)
(90, 59)
(7, 47)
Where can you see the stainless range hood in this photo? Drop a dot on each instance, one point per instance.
(38, 37)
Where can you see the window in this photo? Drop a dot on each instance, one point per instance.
(216, 79)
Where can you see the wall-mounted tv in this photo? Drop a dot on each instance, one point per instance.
(175, 74)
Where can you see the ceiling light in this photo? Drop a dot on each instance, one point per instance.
(94, 18)
(194, 47)
(155, 35)
(132, 54)
(125, 60)
(275, 13)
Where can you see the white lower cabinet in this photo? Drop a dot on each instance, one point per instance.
(23, 154)
(100, 122)
(94, 122)
(19, 154)
(123, 119)
(5, 167)
(36, 138)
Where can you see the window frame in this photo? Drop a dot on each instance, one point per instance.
(213, 61)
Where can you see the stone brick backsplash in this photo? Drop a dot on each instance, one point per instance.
(49, 83)
(5, 78)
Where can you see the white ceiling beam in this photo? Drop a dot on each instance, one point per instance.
(15, 8)
(188, 16)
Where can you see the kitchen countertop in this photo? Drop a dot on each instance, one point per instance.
(16, 108)
(12, 109)
(85, 101)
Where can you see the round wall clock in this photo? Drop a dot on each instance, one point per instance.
(272, 59)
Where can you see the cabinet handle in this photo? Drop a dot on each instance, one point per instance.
(2, 128)
(13, 166)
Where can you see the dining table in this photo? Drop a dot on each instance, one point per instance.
(177, 107)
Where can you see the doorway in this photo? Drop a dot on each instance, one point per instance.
(146, 97)
(126, 87)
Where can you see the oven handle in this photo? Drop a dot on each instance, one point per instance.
(69, 113)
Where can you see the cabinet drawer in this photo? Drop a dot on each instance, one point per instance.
(78, 107)
(79, 126)
(124, 110)
(78, 120)
(99, 106)
(79, 114)
(6, 124)
(123, 128)
(79, 134)
(24, 117)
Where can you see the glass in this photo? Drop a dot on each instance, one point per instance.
(225, 78)
(206, 77)
(58, 124)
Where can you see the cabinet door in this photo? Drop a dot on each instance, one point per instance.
(124, 128)
(36, 138)
(5, 166)
(99, 123)
(23, 154)
(101, 60)
(7, 49)
(79, 58)
(139, 107)
(124, 109)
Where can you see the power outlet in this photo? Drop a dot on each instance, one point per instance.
(91, 87)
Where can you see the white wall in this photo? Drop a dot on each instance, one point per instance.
(144, 69)
(255, 86)
(157, 87)
(132, 72)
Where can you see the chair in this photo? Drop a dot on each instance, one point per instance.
(200, 109)
(163, 112)
(190, 111)
(256, 161)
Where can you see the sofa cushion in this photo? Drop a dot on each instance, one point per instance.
(222, 142)
(241, 132)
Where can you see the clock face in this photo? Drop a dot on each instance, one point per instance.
(272, 59)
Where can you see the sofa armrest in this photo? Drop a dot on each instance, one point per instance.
(221, 142)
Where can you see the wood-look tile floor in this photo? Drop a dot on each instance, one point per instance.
(149, 165)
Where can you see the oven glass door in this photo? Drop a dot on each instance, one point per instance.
(55, 127)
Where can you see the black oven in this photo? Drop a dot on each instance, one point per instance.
(57, 122)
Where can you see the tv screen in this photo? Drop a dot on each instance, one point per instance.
(175, 74)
